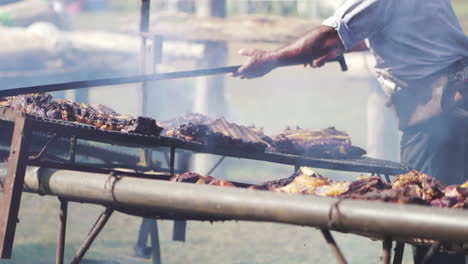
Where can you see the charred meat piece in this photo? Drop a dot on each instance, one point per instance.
(325, 143)
(220, 132)
(194, 118)
(406, 195)
(366, 184)
(305, 180)
(335, 189)
(44, 106)
(430, 188)
(190, 177)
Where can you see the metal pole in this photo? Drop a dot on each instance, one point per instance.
(155, 246)
(399, 249)
(62, 231)
(387, 251)
(374, 218)
(431, 252)
(335, 249)
(101, 222)
(72, 153)
(172, 162)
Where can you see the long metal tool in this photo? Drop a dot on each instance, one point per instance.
(131, 79)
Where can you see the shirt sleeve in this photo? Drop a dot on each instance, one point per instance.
(357, 20)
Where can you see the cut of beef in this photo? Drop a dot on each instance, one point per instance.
(45, 106)
(220, 132)
(325, 143)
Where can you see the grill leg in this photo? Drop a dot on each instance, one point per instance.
(13, 184)
(431, 252)
(180, 228)
(100, 223)
(155, 247)
(62, 231)
(335, 249)
(387, 251)
(399, 249)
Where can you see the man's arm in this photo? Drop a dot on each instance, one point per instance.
(314, 48)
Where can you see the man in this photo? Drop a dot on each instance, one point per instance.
(421, 54)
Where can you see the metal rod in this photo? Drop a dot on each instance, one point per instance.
(72, 154)
(121, 80)
(215, 166)
(172, 162)
(102, 220)
(335, 249)
(180, 231)
(387, 250)
(62, 231)
(431, 252)
(387, 178)
(155, 245)
(399, 250)
(154, 196)
(44, 150)
(115, 81)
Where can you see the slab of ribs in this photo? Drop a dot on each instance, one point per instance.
(410, 188)
(324, 143)
(45, 106)
(219, 132)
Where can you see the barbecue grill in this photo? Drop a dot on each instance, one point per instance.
(26, 128)
(44, 158)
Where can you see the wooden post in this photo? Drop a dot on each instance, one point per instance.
(13, 185)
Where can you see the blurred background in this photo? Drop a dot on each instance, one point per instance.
(45, 41)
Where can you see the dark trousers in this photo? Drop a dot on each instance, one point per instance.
(439, 147)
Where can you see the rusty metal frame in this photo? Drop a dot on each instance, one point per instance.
(93, 233)
(13, 185)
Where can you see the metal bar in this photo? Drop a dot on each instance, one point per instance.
(431, 252)
(335, 249)
(387, 250)
(362, 217)
(13, 184)
(101, 222)
(399, 250)
(361, 164)
(44, 150)
(72, 153)
(172, 161)
(62, 231)
(180, 228)
(387, 178)
(155, 245)
(116, 81)
(215, 166)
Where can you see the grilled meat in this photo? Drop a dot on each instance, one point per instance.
(366, 184)
(196, 178)
(428, 187)
(219, 132)
(325, 143)
(45, 106)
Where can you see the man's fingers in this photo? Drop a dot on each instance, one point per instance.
(247, 52)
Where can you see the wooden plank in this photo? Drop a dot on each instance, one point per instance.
(13, 186)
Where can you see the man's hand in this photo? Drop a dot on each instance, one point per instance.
(314, 48)
(260, 62)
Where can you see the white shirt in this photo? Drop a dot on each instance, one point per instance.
(411, 39)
